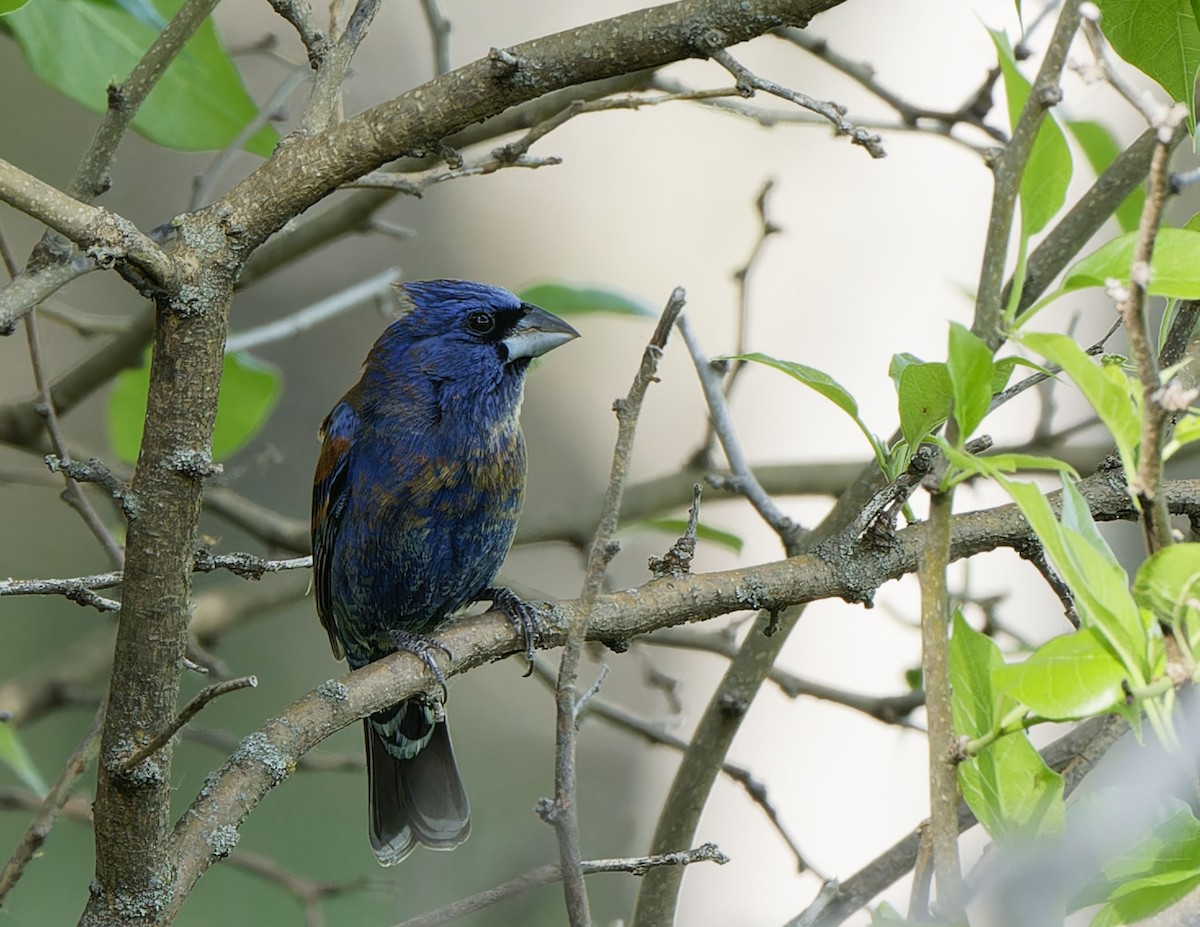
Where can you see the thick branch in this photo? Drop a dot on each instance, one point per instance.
(132, 811)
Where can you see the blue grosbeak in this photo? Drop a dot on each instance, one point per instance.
(415, 502)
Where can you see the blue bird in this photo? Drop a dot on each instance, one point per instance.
(416, 497)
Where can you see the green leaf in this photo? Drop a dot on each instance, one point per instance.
(1048, 170)
(80, 47)
(973, 659)
(7, 6)
(1101, 149)
(996, 466)
(1167, 586)
(898, 363)
(1002, 371)
(14, 756)
(828, 387)
(1135, 901)
(924, 397)
(1161, 39)
(565, 299)
(1008, 785)
(1143, 872)
(1069, 677)
(822, 382)
(1186, 431)
(970, 369)
(677, 526)
(249, 390)
(1174, 266)
(1108, 396)
(1012, 791)
(1095, 580)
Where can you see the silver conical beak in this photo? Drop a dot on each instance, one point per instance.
(536, 333)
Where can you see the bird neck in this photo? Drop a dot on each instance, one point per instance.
(425, 403)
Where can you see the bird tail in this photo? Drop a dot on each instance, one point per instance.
(419, 799)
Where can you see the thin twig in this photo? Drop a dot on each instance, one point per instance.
(373, 289)
(766, 228)
(52, 805)
(439, 32)
(126, 98)
(890, 709)
(299, 13)
(309, 892)
(545, 875)
(626, 720)
(97, 472)
(564, 816)
(1131, 306)
(44, 403)
(1007, 171)
(742, 479)
(190, 710)
(972, 112)
(389, 180)
(836, 114)
(325, 103)
(1139, 99)
(203, 184)
(247, 566)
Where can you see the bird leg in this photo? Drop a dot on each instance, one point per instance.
(522, 615)
(423, 647)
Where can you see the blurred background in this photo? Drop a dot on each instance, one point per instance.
(873, 258)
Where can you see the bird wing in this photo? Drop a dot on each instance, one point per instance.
(331, 493)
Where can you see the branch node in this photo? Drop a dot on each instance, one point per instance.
(1050, 95)
(733, 706)
(203, 697)
(677, 561)
(118, 101)
(504, 63)
(96, 471)
(195, 464)
(546, 810)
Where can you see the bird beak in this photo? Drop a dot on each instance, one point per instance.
(536, 333)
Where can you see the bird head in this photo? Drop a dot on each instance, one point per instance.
(469, 338)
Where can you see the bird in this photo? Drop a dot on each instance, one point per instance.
(418, 488)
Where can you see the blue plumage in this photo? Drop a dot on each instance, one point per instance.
(415, 503)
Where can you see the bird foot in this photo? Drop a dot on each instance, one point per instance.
(423, 647)
(522, 615)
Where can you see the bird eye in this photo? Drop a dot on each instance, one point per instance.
(481, 323)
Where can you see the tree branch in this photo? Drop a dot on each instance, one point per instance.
(308, 169)
(1131, 307)
(544, 875)
(1008, 169)
(564, 816)
(105, 237)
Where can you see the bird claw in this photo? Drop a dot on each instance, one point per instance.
(522, 615)
(423, 647)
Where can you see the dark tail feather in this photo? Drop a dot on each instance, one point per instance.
(421, 800)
